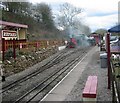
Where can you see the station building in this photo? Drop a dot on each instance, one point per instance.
(96, 37)
(10, 31)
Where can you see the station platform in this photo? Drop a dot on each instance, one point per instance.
(70, 88)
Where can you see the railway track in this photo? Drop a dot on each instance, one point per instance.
(49, 64)
(57, 59)
(40, 90)
(41, 69)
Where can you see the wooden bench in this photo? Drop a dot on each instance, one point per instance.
(90, 89)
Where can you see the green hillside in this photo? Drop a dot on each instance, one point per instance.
(38, 18)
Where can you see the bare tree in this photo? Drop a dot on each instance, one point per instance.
(81, 28)
(68, 19)
(67, 15)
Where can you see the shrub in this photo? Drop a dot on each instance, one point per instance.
(9, 53)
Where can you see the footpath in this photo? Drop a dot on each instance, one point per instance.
(71, 87)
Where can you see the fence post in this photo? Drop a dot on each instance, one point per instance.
(37, 45)
(14, 46)
(20, 46)
(3, 49)
(14, 52)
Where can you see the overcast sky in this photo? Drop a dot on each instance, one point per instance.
(97, 13)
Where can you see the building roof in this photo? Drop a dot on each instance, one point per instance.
(12, 24)
(115, 29)
(94, 33)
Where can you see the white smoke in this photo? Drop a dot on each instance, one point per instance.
(82, 39)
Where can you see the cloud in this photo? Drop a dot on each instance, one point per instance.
(48, 1)
(91, 6)
(97, 22)
(97, 13)
(97, 5)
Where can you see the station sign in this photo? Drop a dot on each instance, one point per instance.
(9, 34)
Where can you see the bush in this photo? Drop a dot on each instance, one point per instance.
(9, 53)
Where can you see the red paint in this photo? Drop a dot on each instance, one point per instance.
(108, 56)
(90, 89)
(13, 24)
(0, 40)
(3, 49)
(73, 40)
(96, 37)
(14, 52)
(10, 42)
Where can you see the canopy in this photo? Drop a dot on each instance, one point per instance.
(13, 24)
(115, 29)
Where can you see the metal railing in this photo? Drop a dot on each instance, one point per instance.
(115, 83)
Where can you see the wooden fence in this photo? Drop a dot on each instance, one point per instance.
(35, 44)
(27, 46)
(115, 81)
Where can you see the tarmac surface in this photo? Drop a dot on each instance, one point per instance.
(71, 87)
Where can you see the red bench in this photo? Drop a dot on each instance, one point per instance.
(90, 89)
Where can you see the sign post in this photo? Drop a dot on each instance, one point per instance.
(7, 34)
(3, 58)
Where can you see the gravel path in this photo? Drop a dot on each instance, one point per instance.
(21, 88)
(93, 68)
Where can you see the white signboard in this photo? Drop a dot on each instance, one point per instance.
(9, 34)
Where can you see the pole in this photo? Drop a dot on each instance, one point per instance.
(108, 58)
(14, 52)
(3, 49)
(3, 58)
(14, 45)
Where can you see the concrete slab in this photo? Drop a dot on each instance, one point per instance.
(61, 47)
(64, 87)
